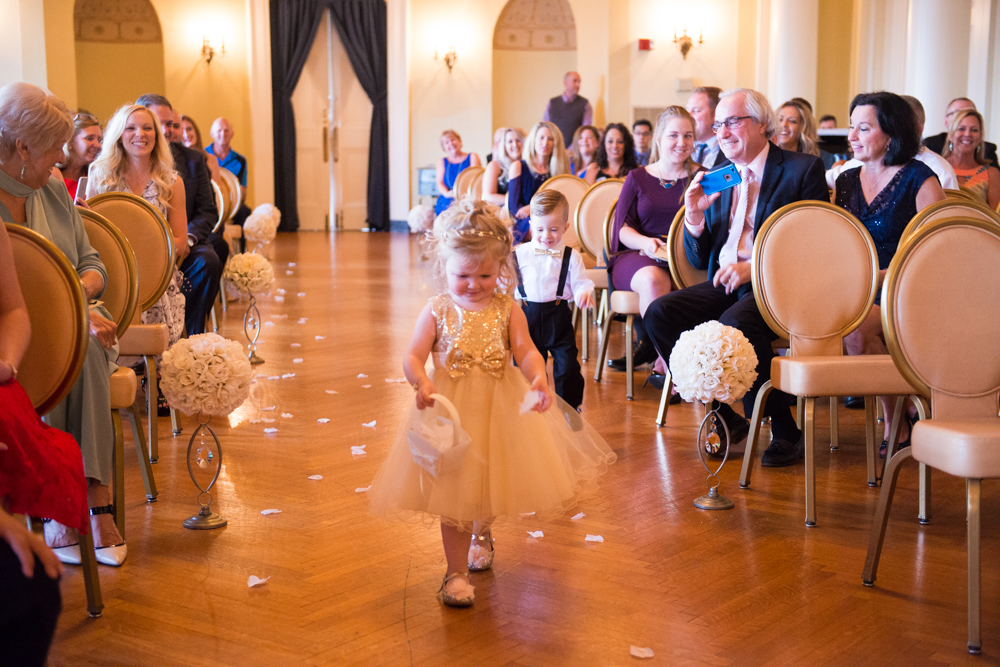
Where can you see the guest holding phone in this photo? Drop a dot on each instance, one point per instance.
(718, 236)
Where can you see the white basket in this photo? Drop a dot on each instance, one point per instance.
(431, 450)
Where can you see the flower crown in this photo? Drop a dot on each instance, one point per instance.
(480, 234)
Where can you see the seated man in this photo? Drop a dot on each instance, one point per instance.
(718, 236)
(936, 142)
(202, 268)
(222, 137)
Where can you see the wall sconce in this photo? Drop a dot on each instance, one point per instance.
(686, 43)
(449, 58)
(208, 52)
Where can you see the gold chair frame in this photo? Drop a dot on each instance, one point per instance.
(977, 207)
(235, 192)
(890, 326)
(551, 184)
(962, 193)
(463, 182)
(220, 201)
(51, 396)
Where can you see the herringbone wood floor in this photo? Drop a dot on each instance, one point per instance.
(744, 587)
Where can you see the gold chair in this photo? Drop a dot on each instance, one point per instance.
(153, 245)
(573, 188)
(815, 276)
(220, 204)
(588, 226)
(121, 297)
(234, 191)
(463, 182)
(60, 336)
(476, 187)
(936, 300)
(950, 208)
(962, 193)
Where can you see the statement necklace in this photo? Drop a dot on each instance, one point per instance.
(667, 184)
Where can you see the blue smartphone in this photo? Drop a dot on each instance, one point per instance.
(720, 179)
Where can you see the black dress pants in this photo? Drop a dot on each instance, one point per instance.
(29, 609)
(202, 271)
(672, 314)
(551, 328)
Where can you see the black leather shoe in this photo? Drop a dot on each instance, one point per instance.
(739, 429)
(854, 402)
(782, 453)
(643, 352)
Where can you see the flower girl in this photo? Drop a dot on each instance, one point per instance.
(519, 460)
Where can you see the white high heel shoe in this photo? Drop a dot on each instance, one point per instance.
(111, 555)
(70, 554)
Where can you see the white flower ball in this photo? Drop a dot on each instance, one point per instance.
(713, 362)
(249, 273)
(205, 374)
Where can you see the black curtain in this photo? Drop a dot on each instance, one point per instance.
(361, 25)
(293, 29)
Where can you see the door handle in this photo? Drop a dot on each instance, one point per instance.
(326, 145)
(336, 144)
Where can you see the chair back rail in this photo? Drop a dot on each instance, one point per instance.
(951, 207)
(962, 193)
(476, 187)
(148, 234)
(463, 182)
(235, 192)
(573, 187)
(121, 294)
(224, 207)
(939, 326)
(57, 308)
(809, 254)
(588, 218)
(220, 205)
(681, 271)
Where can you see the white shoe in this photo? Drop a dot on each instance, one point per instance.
(70, 555)
(113, 556)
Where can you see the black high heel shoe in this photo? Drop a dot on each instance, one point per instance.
(906, 443)
(643, 352)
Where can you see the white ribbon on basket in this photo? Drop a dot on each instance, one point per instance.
(438, 444)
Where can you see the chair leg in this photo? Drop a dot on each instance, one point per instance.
(897, 417)
(870, 426)
(223, 299)
(148, 481)
(175, 421)
(834, 423)
(574, 312)
(91, 579)
(118, 468)
(972, 490)
(882, 516)
(151, 416)
(809, 423)
(751, 447)
(798, 412)
(924, 512)
(213, 319)
(629, 361)
(661, 414)
(585, 335)
(602, 354)
(603, 307)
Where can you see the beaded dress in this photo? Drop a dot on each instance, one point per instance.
(516, 463)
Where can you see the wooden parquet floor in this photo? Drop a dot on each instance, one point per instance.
(750, 586)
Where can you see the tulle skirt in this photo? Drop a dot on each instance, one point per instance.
(515, 464)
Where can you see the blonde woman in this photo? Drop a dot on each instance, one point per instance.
(797, 129)
(495, 177)
(449, 167)
(543, 157)
(136, 158)
(583, 151)
(965, 151)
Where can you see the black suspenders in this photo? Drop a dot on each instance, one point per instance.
(563, 273)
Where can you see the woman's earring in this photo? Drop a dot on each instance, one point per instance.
(951, 146)
(24, 169)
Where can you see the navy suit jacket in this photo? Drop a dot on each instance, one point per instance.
(202, 213)
(788, 177)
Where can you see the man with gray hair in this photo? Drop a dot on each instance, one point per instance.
(718, 236)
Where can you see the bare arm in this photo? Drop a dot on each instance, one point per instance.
(424, 334)
(177, 218)
(630, 238)
(929, 193)
(15, 327)
(528, 359)
(993, 195)
(590, 173)
(491, 183)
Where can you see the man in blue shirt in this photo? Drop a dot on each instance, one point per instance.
(222, 137)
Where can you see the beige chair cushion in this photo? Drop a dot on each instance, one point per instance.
(599, 276)
(573, 188)
(234, 231)
(868, 375)
(144, 339)
(625, 302)
(123, 386)
(964, 448)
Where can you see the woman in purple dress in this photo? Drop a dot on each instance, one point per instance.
(647, 205)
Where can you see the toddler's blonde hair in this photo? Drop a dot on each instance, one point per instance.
(547, 201)
(472, 228)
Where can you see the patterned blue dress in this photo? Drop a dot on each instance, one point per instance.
(451, 172)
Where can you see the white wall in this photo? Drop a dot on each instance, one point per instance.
(22, 42)
(524, 82)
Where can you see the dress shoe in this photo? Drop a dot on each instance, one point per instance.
(70, 554)
(460, 596)
(781, 453)
(481, 558)
(739, 429)
(854, 402)
(643, 352)
(113, 555)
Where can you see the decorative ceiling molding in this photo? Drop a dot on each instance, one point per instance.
(122, 21)
(535, 25)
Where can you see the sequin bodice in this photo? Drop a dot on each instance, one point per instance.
(469, 338)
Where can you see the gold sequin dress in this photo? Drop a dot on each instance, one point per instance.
(535, 462)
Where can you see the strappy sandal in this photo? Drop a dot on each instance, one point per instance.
(480, 541)
(452, 600)
(113, 555)
(68, 554)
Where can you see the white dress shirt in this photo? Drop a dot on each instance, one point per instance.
(711, 153)
(540, 273)
(945, 172)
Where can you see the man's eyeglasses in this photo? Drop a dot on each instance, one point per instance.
(730, 122)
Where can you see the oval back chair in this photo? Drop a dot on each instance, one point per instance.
(950, 207)
(220, 202)
(224, 207)
(121, 295)
(681, 271)
(815, 275)
(573, 188)
(476, 187)
(962, 193)
(942, 336)
(463, 181)
(589, 215)
(57, 308)
(235, 192)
